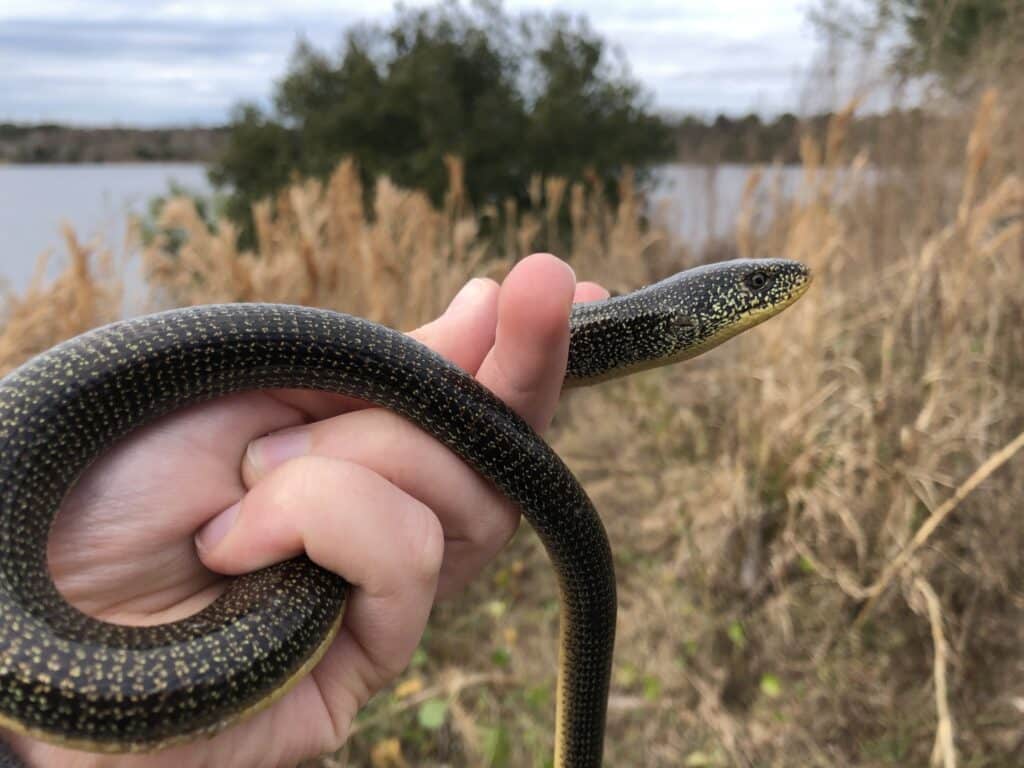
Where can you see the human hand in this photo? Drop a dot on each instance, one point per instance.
(360, 490)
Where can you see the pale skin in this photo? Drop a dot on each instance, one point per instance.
(154, 527)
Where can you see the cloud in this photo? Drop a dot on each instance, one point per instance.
(175, 61)
(141, 70)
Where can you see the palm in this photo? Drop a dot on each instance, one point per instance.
(123, 566)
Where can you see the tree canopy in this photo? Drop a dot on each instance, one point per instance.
(511, 96)
(947, 36)
(963, 42)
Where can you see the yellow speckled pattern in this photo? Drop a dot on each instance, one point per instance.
(72, 679)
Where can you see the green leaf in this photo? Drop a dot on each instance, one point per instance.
(419, 658)
(699, 760)
(495, 746)
(770, 686)
(500, 657)
(538, 697)
(432, 714)
(627, 674)
(737, 635)
(652, 687)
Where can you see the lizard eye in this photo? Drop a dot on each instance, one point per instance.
(758, 281)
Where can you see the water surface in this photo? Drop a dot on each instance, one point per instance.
(96, 200)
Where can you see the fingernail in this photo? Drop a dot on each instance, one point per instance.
(211, 534)
(572, 274)
(468, 295)
(265, 453)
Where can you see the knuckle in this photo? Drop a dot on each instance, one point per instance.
(298, 479)
(496, 526)
(303, 483)
(360, 435)
(521, 384)
(425, 540)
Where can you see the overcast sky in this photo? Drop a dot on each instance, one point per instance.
(185, 61)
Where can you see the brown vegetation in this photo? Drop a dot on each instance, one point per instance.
(819, 548)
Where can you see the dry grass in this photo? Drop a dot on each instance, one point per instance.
(816, 527)
(86, 294)
(398, 262)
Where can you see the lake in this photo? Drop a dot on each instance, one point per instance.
(694, 201)
(95, 200)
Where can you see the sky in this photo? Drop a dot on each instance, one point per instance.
(182, 62)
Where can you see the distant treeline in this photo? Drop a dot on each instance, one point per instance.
(49, 143)
(751, 140)
(723, 139)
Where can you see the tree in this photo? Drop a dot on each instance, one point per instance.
(259, 154)
(586, 114)
(510, 96)
(947, 36)
(960, 41)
